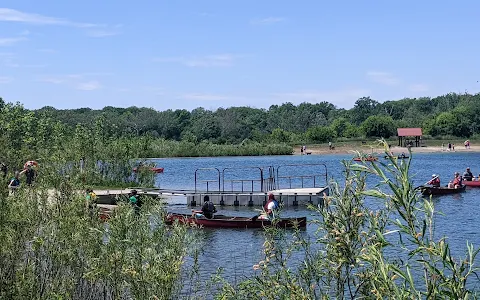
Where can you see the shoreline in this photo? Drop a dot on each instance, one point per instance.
(324, 150)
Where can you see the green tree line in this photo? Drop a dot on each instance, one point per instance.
(447, 115)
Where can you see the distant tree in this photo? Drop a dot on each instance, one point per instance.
(378, 126)
(445, 124)
(363, 108)
(279, 135)
(340, 125)
(320, 134)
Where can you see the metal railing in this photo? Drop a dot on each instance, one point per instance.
(243, 181)
(207, 182)
(314, 177)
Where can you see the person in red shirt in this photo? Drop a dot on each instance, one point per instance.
(435, 181)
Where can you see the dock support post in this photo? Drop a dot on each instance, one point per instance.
(295, 201)
(265, 200)
(310, 199)
(250, 202)
(235, 203)
(321, 201)
(193, 202)
(280, 200)
(222, 202)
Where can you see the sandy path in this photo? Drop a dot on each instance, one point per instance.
(366, 149)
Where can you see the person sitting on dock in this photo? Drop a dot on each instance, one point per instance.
(468, 176)
(457, 181)
(435, 182)
(208, 209)
(271, 206)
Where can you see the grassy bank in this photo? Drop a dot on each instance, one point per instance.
(165, 148)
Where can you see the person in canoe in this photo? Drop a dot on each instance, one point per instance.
(208, 209)
(457, 180)
(435, 181)
(468, 176)
(271, 206)
(403, 155)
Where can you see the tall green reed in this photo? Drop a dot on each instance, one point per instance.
(55, 248)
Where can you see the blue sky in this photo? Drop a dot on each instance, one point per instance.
(218, 53)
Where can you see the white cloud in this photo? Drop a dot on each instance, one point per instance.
(267, 21)
(11, 41)
(344, 98)
(98, 33)
(418, 87)
(12, 15)
(81, 81)
(384, 78)
(96, 30)
(5, 79)
(88, 86)
(217, 60)
(207, 97)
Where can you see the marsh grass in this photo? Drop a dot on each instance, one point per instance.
(56, 249)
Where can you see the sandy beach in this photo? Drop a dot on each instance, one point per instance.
(350, 149)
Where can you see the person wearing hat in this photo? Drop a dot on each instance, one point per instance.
(271, 206)
(457, 181)
(468, 176)
(435, 182)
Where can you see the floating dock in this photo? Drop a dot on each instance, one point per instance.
(243, 186)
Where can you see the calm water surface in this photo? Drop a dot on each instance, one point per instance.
(237, 250)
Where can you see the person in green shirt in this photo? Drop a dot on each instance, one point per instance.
(135, 201)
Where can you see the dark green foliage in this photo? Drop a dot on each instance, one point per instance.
(378, 126)
(448, 115)
(320, 134)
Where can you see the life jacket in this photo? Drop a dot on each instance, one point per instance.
(457, 181)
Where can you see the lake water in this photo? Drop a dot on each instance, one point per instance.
(238, 250)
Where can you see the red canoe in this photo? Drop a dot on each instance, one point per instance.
(221, 221)
(153, 169)
(471, 183)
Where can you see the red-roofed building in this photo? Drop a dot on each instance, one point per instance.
(405, 133)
